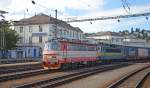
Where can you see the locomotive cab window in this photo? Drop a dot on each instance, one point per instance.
(113, 50)
(52, 45)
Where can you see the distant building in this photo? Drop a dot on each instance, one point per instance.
(107, 37)
(116, 38)
(133, 39)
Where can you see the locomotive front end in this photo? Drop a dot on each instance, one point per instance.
(50, 61)
(50, 55)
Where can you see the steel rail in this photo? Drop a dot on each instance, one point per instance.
(20, 69)
(19, 75)
(141, 82)
(60, 80)
(124, 78)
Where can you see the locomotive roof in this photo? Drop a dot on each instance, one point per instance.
(79, 42)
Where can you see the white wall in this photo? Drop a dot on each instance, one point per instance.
(49, 29)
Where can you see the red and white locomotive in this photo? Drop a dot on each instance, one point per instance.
(59, 54)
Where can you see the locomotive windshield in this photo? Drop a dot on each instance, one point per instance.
(51, 45)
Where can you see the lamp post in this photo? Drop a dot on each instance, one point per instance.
(2, 33)
(24, 37)
(2, 37)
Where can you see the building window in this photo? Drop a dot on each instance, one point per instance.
(30, 39)
(21, 29)
(70, 33)
(113, 39)
(76, 35)
(21, 40)
(40, 39)
(28, 51)
(80, 36)
(30, 28)
(64, 32)
(73, 34)
(60, 32)
(117, 40)
(40, 28)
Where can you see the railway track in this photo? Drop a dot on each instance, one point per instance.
(132, 80)
(20, 75)
(60, 80)
(24, 73)
(7, 71)
(142, 82)
(18, 68)
(19, 60)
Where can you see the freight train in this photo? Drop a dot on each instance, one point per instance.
(61, 54)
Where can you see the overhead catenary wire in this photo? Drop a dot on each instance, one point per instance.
(126, 6)
(108, 17)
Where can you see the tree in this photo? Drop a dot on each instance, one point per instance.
(125, 32)
(137, 30)
(145, 35)
(142, 31)
(132, 31)
(8, 37)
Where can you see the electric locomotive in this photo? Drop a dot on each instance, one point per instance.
(63, 54)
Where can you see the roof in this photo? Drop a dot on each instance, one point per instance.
(105, 34)
(108, 33)
(78, 29)
(37, 19)
(45, 19)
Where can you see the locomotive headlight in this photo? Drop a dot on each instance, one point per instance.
(52, 59)
(44, 57)
(49, 57)
(53, 56)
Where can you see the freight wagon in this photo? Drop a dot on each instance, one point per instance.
(136, 52)
(130, 52)
(142, 53)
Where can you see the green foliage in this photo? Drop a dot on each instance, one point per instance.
(8, 37)
(132, 31)
(137, 29)
(124, 32)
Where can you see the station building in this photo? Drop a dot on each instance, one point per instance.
(36, 30)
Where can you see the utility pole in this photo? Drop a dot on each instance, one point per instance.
(56, 13)
(55, 31)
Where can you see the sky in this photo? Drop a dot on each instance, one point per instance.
(75, 9)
